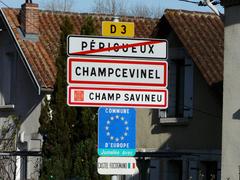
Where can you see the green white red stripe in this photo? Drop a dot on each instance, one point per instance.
(131, 165)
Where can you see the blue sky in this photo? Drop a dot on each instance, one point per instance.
(86, 5)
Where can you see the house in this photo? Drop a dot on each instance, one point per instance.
(181, 142)
(231, 86)
(28, 47)
(185, 140)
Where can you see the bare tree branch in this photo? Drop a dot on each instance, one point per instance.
(59, 5)
(113, 7)
(157, 12)
(140, 10)
(121, 8)
(8, 134)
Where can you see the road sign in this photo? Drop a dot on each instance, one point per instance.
(96, 97)
(117, 47)
(117, 72)
(117, 166)
(121, 29)
(116, 131)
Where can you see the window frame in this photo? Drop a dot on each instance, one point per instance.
(187, 109)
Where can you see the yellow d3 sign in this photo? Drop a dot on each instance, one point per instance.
(122, 29)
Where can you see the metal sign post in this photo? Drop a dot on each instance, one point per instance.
(121, 73)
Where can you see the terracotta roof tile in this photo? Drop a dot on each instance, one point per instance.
(41, 55)
(202, 35)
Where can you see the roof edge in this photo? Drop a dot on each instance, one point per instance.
(21, 52)
(47, 90)
(95, 14)
(90, 14)
(189, 12)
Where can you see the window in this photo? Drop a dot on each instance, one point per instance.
(8, 71)
(180, 87)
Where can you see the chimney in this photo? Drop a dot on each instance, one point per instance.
(29, 19)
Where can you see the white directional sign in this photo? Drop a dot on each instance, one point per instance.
(94, 96)
(117, 47)
(117, 166)
(117, 72)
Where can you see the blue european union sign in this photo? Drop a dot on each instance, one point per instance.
(116, 131)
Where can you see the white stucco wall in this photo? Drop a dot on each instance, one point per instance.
(231, 97)
(18, 89)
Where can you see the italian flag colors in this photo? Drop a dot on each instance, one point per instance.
(131, 165)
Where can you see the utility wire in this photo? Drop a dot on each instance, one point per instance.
(4, 3)
(203, 112)
(199, 110)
